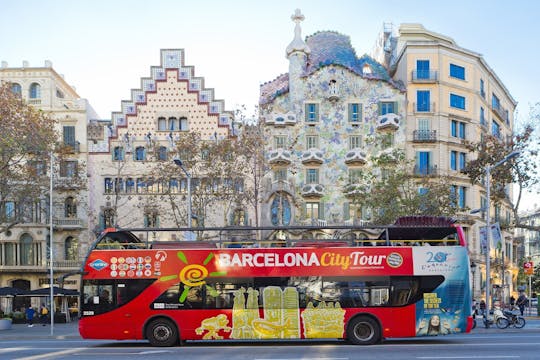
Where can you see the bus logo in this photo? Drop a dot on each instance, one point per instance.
(98, 264)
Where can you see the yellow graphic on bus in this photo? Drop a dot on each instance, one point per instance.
(280, 317)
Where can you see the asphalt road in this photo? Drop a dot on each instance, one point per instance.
(482, 343)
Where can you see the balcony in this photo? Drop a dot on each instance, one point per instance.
(355, 156)
(353, 190)
(312, 156)
(279, 157)
(424, 76)
(279, 186)
(68, 223)
(73, 148)
(282, 119)
(424, 108)
(313, 190)
(388, 121)
(425, 170)
(422, 136)
(501, 113)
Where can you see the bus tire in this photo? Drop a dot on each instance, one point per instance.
(363, 330)
(162, 332)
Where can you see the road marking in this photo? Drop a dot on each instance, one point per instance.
(301, 358)
(51, 355)
(471, 357)
(6, 350)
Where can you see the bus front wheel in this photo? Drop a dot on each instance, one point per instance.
(162, 332)
(363, 330)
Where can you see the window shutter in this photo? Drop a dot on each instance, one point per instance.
(350, 112)
(321, 210)
(360, 112)
(396, 111)
(304, 211)
(316, 112)
(306, 112)
(69, 135)
(346, 211)
(380, 108)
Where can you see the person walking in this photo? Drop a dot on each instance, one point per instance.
(30, 312)
(43, 314)
(521, 302)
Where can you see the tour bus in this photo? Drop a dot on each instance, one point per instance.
(358, 283)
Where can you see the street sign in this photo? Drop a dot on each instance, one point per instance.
(528, 268)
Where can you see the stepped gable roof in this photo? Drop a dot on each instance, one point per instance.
(272, 89)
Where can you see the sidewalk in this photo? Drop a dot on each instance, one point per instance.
(38, 331)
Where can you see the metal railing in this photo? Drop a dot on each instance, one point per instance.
(425, 135)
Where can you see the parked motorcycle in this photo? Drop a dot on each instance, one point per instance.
(514, 318)
(495, 317)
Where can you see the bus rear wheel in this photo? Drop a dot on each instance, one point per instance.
(162, 332)
(363, 330)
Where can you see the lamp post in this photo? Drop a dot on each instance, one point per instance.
(179, 163)
(473, 271)
(51, 281)
(488, 224)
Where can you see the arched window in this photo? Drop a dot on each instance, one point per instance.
(118, 153)
(35, 91)
(173, 124)
(162, 153)
(280, 211)
(162, 124)
(27, 250)
(140, 153)
(70, 208)
(16, 89)
(71, 248)
(183, 124)
(108, 218)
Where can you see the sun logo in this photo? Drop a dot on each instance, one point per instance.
(193, 275)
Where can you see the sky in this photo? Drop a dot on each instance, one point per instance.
(104, 47)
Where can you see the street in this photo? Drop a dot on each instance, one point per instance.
(482, 343)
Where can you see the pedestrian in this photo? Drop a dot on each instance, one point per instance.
(43, 314)
(512, 301)
(521, 302)
(30, 312)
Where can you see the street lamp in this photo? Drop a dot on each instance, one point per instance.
(179, 163)
(473, 271)
(488, 168)
(51, 280)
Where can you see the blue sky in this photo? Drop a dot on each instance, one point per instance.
(104, 47)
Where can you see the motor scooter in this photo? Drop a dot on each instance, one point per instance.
(495, 316)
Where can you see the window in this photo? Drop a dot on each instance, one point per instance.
(312, 176)
(453, 160)
(173, 124)
(312, 112)
(457, 71)
(140, 153)
(109, 186)
(495, 103)
(119, 185)
(27, 250)
(183, 124)
(354, 176)
(162, 153)
(35, 91)
(108, 218)
(280, 141)
(313, 211)
(482, 116)
(387, 107)
(355, 113)
(462, 160)
(16, 89)
(280, 210)
(280, 175)
(69, 136)
(68, 168)
(141, 186)
(422, 100)
(39, 167)
(482, 89)
(459, 194)
(118, 153)
(239, 217)
(355, 141)
(457, 129)
(312, 141)
(130, 186)
(70, 207)
(151, 219)
(457, 101)
(162, 124)
(9, 211)
(71, 248)
(423, 163)
(495, 129)
(422, 69)
(457, 160)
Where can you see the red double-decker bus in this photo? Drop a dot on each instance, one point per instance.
(362, 284)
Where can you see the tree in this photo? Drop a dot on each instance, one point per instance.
(27, 137)
(522, 170)
(390, 190)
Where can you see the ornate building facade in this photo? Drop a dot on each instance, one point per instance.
(24, 254)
